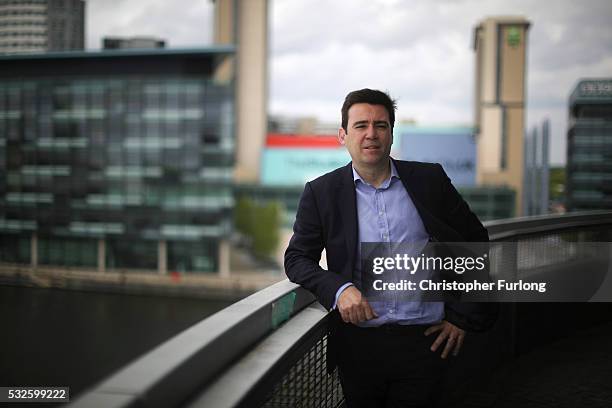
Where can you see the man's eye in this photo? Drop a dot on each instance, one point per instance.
(382, 125)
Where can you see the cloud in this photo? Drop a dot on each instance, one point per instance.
(421, 52)
(182, 23)
(305, 25)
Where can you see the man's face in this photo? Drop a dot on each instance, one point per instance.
(368, 136)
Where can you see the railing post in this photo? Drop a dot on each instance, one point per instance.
(224, 258)
(101, 255)
(34, 250)
(162, 257)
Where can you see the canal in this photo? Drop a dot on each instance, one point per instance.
(53, 337)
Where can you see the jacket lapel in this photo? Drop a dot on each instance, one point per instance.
(347, 207)
(405, 173)
(437, 229)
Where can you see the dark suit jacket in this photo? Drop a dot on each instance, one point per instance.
(327, 218)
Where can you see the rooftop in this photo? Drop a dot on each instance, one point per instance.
(592, 90)
(134, 52)
(116, 62)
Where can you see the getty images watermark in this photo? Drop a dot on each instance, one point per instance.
(545, 271)
(458, 265)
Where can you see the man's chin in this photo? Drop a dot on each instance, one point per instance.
(374, 162)
(373, 155)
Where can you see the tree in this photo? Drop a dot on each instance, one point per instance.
(260, 223)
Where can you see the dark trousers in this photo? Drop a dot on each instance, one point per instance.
(388, 366)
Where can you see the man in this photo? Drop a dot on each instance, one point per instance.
(382, 350)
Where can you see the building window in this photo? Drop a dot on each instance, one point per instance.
(192, 256)
(129, 253)
(71, 252)
(15, 249)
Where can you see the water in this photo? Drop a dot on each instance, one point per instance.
(52, 337)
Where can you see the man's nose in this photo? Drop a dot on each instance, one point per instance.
(371, 132)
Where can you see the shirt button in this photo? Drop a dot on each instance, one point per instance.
(391, 311)
(380, 213)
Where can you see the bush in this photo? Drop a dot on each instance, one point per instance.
(260, 223)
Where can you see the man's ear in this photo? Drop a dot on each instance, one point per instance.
(341, 136)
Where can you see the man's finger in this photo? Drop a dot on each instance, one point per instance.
(450, 342)
(361, 314)
(349, 317)
(433, 329)
(354, 315)
(439, 340)
(370, 314)
(345, 317)
(459, 344)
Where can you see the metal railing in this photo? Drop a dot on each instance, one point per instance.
(268, 350)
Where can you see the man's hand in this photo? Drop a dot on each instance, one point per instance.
(353, 307)
(452, 334)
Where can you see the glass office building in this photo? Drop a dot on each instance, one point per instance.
(117, 159)
(41, 25)
(589, 146)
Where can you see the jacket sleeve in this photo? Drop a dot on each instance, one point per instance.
(470, 316)
(304, 252)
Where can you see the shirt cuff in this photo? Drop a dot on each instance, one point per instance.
(339, 292)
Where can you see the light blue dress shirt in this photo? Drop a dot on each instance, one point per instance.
(387, 214)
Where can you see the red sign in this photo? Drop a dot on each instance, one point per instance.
(302, 141)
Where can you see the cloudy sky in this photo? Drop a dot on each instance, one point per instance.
(418, 50)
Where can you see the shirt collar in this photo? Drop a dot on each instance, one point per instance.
(394, 174)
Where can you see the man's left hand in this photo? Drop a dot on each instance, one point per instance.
(450, 333)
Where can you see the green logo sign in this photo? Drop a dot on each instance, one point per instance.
(282, 308)
(513, 36)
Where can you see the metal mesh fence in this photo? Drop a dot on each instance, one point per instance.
(307, 383)
(558, 248)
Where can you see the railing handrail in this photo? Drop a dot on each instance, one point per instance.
(179, 367)
(520, 226)
(164, 376)
(238, 386)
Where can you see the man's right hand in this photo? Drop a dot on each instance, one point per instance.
(353, 307)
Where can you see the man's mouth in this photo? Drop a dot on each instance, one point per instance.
(371, 147)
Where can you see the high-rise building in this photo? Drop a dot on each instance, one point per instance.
(41, 25)
(115, 43)
(117, 159)
(589, 146)
(500, 45)
(536, 187)
(244, 23)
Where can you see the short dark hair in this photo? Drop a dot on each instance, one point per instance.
(371, 96)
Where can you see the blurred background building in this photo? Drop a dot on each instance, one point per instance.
(244, 23)
(536, 197)
(293, 160)
(500, 68)
(589, 146)
(41, 25)
(135, 157)
(454, 147)
(114, 43)
(117, 160)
